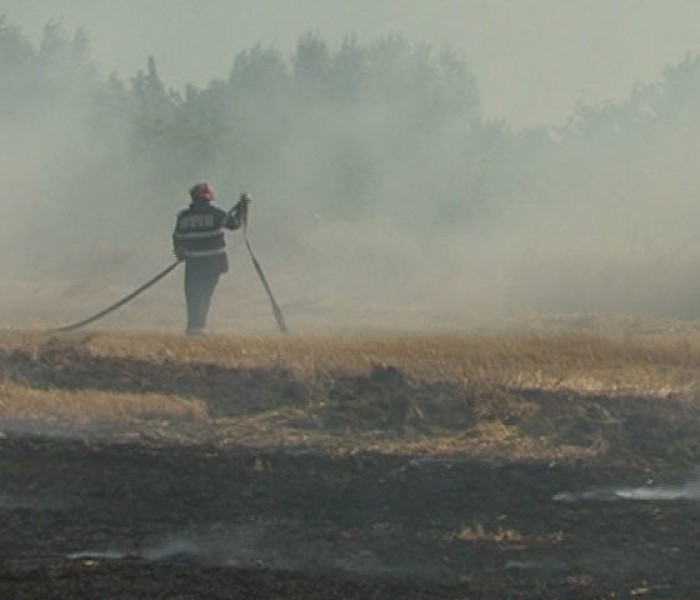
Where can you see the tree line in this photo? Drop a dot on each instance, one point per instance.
(388, 128)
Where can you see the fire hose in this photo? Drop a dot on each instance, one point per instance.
(151, 282)
(258, 269)
(103, 313)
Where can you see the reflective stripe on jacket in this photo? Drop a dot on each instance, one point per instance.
(199, 230)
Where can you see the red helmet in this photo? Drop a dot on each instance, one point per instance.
(202, 191)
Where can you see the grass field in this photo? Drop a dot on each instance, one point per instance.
(500, 393)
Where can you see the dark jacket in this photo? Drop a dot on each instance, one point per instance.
(199, 234)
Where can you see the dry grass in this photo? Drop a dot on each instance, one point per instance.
(493, 369)
(481, 533)
(21, 402)
(656, 365)
(499, 534)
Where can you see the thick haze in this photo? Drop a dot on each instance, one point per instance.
(534, 59)
(413, 162)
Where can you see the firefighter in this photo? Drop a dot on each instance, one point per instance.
(198, 239)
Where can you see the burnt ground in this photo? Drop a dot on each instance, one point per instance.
(89, 516)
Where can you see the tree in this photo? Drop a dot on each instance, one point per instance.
(17, 59)
(312, 65)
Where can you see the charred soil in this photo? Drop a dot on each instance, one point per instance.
(370, 483)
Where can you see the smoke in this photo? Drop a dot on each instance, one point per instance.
(267, 544)
(383, 197)
(685, 490)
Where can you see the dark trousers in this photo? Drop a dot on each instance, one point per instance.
(200, 282)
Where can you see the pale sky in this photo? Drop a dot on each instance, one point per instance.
(534, 60)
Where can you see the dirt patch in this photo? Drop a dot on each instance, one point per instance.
(387, 398)
(638, 430)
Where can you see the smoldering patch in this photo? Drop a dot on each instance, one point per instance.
(686, 490)
(276, 545)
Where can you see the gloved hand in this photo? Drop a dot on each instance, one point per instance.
(241, 208)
